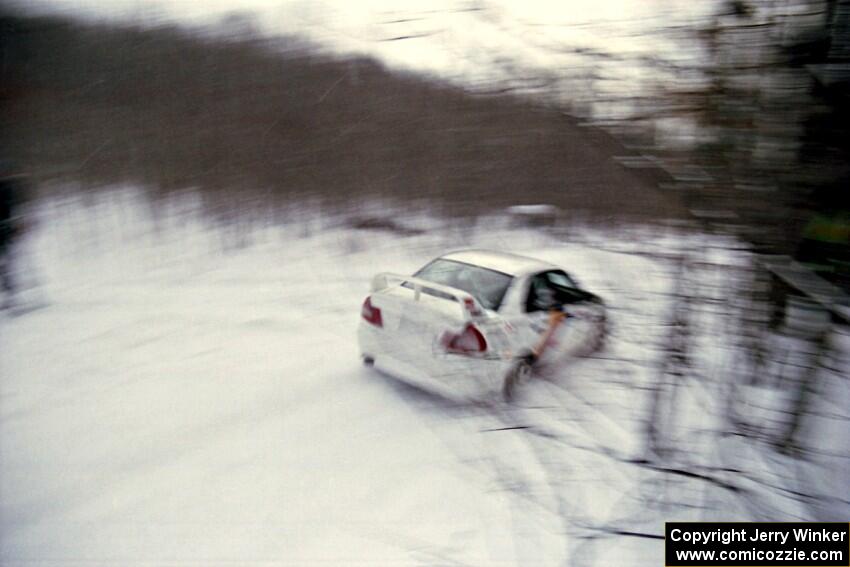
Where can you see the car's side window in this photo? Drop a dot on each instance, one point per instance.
(539, 294)
(561, 279)
(552, 286)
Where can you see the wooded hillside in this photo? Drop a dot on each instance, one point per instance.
(173, 108)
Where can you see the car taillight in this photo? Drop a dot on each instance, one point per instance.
(469, 341)
(371, 314)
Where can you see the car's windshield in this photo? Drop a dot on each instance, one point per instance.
(487, 286)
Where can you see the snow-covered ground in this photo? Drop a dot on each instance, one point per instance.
(191, 394)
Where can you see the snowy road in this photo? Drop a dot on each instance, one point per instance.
(176, 404)
(179, 401)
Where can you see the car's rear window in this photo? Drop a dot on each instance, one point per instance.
(487, 286)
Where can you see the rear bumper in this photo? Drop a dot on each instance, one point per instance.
(451, 375)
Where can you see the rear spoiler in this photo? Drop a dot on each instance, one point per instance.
(471, 308)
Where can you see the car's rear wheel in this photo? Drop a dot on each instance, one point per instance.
(519, 373)
(368, 360)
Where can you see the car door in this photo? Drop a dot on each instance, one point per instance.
(529, 315)
(538, 302)
(525, 321)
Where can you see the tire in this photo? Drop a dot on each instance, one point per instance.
(595, 342)
(519, 373)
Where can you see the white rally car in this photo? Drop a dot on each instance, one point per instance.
(459, 324)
